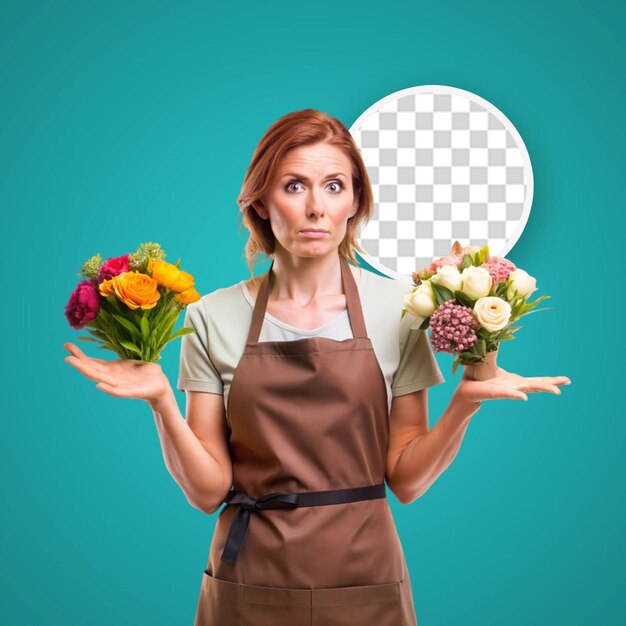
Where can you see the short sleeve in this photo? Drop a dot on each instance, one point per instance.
(197, 371)
(418, 367)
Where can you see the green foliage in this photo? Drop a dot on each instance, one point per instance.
(137, 334)
(442, 294)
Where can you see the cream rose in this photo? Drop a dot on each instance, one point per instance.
(421, 302)
(476, 282)
(492, 313)
(523, 282)
(448, 276)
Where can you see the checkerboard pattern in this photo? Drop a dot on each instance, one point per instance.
(443, 168)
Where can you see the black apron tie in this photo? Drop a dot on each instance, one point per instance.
(247, 504)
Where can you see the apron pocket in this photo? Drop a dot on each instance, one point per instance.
(275, 606)
(367, 605)
(219, 602)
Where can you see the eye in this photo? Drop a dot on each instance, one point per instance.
(337, 184)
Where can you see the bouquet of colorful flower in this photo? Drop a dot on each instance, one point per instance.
(130, 303)
(470, 301)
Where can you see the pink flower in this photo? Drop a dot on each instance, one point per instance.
(83, 305)
(113, 267)
(499, 268)
(453, 328)
(427, 272)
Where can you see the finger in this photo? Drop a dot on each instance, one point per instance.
(89, 370)
(551, 380)
(79, 354)
(539, 387)
(118, 392)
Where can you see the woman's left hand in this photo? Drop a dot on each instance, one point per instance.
(507, 385)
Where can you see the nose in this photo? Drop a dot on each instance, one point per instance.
(315, 204)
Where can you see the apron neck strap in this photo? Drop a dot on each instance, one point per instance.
(355, 311)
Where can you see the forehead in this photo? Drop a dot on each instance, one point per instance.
(315, 158)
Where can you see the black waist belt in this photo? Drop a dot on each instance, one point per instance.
(239, 525)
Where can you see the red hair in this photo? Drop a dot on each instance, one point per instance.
(299, 128)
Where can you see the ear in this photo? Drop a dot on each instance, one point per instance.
(260, 210)
(355, 207)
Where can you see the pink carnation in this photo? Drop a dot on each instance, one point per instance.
(499, 268)
(453, 328)
(83, 305)
(113, 267)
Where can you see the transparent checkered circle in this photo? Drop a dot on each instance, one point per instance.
(445, 166)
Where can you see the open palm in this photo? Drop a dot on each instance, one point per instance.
(122, 378)
(509, 385)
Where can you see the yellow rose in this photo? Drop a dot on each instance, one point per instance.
(170, 276)
(188, 296)
(134, 289)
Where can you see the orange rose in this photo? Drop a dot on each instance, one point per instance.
(134, 289)
(188, 296)
(170, 276)
(106, 287)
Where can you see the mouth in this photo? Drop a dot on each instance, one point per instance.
(313, 230)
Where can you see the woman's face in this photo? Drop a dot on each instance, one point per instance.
(312, 190)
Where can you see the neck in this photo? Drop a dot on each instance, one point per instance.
(302, 279)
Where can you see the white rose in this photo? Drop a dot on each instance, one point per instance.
(421, 302)
(476, 282)
(448, 276)
(492, 313)
(523, 282)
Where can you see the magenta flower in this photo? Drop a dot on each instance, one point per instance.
(453, 328)
(499, 268)
(113, 267)
(83, 305)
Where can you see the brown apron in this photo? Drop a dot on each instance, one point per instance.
(307, 536)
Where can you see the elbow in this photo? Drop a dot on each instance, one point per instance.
(406, 494)
(204, 506)
(207, 505)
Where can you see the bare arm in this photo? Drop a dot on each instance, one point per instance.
(417, 456)
(195, 450)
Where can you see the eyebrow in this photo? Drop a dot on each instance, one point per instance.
(306, 180)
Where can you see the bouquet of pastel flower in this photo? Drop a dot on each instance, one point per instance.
(130, 304)
(470, 301)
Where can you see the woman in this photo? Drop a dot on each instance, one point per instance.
(306, 393)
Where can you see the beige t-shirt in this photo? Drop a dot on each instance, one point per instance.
(222, 319)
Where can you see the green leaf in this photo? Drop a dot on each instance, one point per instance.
(129, 345)
(180, 332)
(455, 366)
(128, 325)
(466, 262)
(442, 294)
(464, 299)
(483, 253)
(114, 302)
(88, 339)
(145, 327)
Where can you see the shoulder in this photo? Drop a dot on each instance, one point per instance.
(383, 290)
(223, 301)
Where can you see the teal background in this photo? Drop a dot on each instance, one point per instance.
(124, 122)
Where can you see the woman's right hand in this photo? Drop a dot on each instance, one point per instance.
(122, 378)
